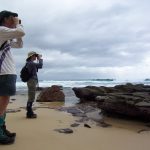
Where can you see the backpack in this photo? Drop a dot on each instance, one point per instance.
(24, 74)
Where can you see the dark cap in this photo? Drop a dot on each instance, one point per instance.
(6, 14)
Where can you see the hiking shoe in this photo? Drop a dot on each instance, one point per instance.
(7, 140)
(4, 139)
(8, 133)
(31, 116)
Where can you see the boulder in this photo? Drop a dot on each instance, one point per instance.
(88, 93)
(126, 106)
(125, 100)
(51, 94)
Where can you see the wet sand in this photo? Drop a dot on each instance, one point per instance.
(38, 134)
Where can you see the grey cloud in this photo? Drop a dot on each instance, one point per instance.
(97, 34)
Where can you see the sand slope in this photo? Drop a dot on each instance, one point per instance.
(39, 134)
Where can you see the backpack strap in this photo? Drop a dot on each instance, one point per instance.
(5, 49)
(2, 46)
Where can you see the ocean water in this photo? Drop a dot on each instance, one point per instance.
(70, 98)
(21, 86)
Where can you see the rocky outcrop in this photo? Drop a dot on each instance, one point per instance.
(126, 100)
(51, 94)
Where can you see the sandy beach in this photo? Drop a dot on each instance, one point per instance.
(40, 133)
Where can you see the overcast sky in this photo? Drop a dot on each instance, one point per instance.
(85, 39)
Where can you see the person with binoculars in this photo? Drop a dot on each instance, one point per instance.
(33, 80)
(11, 33)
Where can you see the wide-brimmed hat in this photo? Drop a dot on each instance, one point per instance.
(6, 14)
(31, 54)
